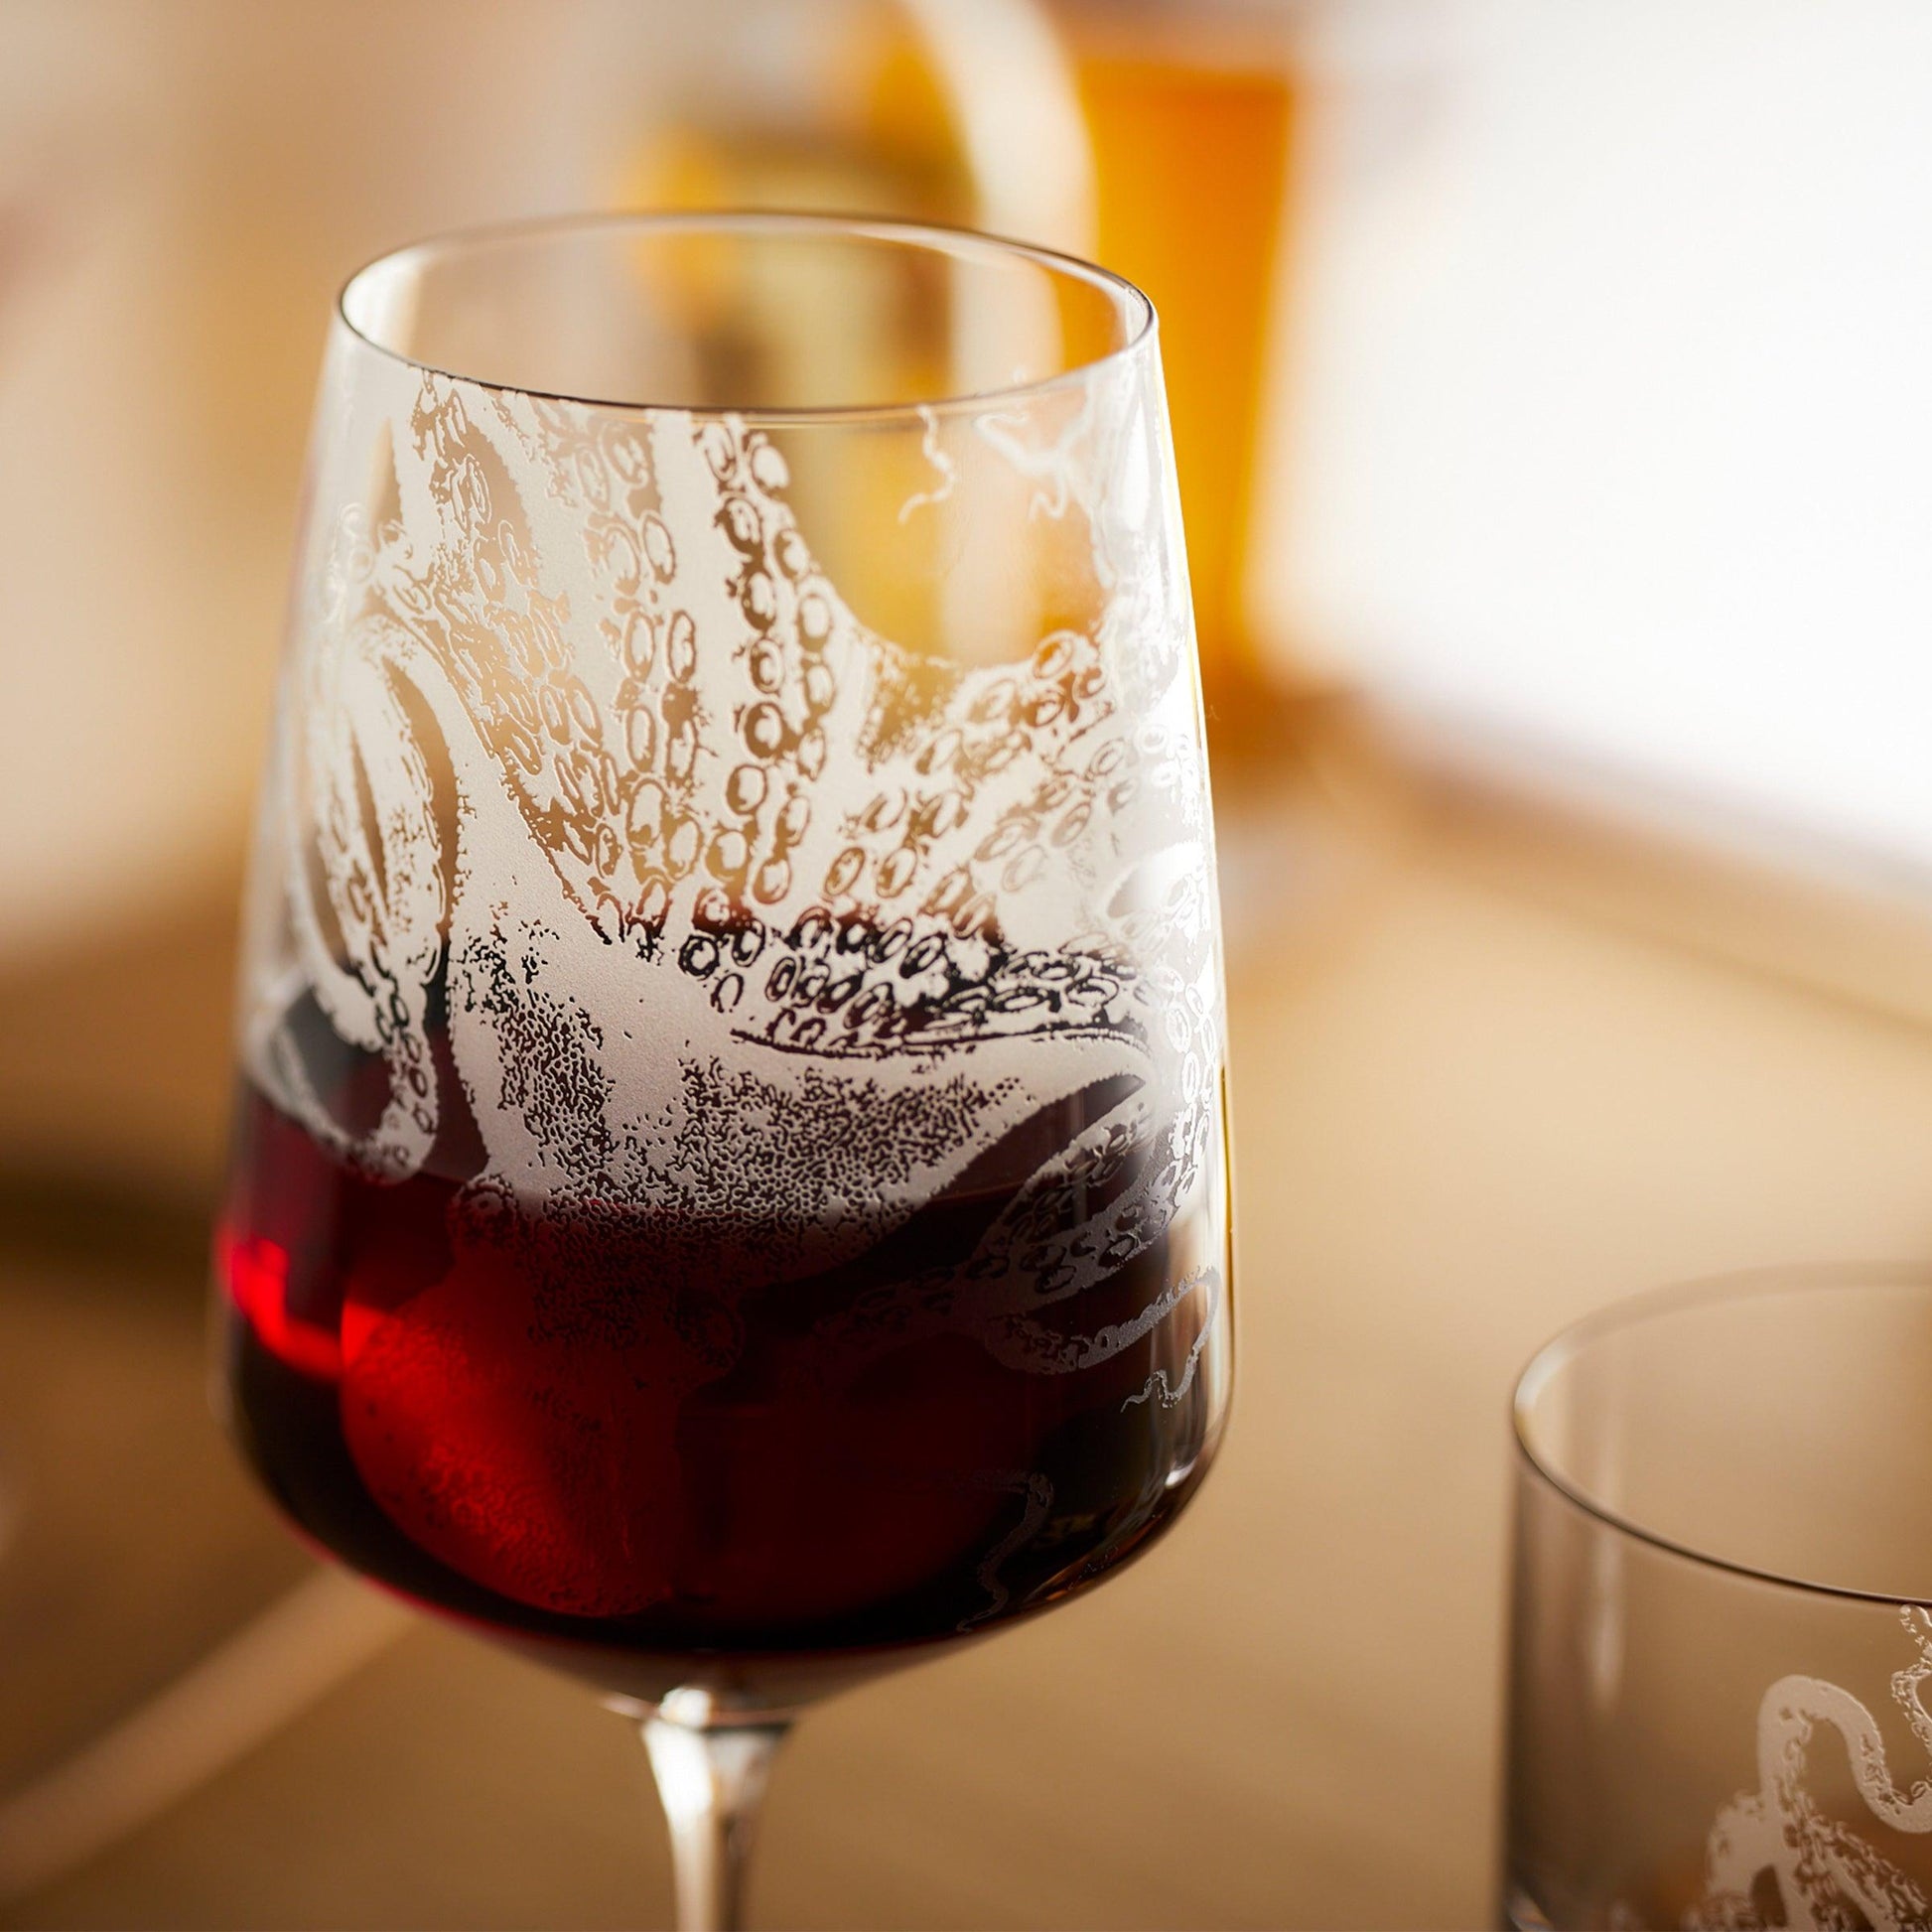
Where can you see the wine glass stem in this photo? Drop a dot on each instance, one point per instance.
(711, 1779)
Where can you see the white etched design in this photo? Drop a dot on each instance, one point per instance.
(1828, 1877)
(630, 873)
(943, 466)
(1170, 1390)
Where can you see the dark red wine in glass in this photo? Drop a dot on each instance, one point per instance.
(657, 1478)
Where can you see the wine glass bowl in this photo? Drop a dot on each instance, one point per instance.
(729, 1178)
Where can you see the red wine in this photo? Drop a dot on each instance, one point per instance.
(564, 1426)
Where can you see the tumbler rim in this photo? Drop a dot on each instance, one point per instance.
(1140, 319)
(1629, 1312)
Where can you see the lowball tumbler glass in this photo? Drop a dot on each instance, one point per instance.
(730, 1186)
(1722, 1619)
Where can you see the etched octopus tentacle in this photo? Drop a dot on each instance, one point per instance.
(1038, 1493)
(1170, 1390)
(1794, 1705)
(541, 576)
(378, 877)
(1022, 1343)
(1818, 1862)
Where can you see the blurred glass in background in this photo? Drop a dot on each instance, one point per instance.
(1152, 137)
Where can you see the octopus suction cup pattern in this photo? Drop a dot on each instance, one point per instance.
(1825, 1874)
(721, 902)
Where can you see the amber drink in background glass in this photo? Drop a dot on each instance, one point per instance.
(1193, 112)
(730, 1189)
(1155, 136)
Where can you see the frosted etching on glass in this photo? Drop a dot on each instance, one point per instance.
(1828, 1877)
(564, 842)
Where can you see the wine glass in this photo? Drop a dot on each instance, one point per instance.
(1721, 1636)
(730, 1189)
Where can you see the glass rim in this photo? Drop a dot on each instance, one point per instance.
(1140, 318)
(1631, 1311)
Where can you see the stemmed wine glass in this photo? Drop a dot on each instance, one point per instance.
(729, 1182)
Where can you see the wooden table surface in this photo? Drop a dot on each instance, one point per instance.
(1466, 1112)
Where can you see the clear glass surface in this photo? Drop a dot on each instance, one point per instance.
(1722, 1610)
(729, 1178)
